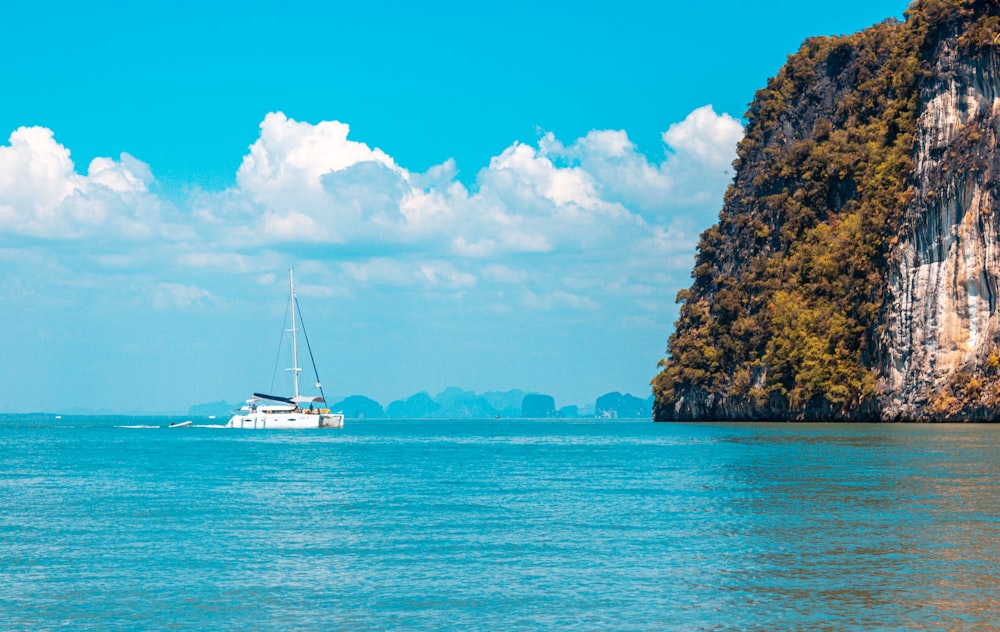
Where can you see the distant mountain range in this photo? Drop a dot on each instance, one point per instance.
(455, 403)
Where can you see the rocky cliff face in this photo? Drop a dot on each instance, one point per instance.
(855, 270)
(941, 328)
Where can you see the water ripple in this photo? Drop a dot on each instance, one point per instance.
(513, 525)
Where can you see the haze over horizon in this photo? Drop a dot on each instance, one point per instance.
(491, 198)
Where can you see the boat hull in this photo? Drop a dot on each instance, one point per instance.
(286, 421)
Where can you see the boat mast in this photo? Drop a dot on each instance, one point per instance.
(295, 352)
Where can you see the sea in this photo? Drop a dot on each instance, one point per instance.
(124, 523)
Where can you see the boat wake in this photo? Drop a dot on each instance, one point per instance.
(186, 424)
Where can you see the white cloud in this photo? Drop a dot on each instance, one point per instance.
(292, 153)
(685, 187)
(41, 195)
(534, 177)
(310, 183)
(293, 226)
(504, 274)
(178, 295)
(129, 175)
(595, 209)
(433, 274)
(446, 275)
(227, 261)
(708, 137)
(36, 176)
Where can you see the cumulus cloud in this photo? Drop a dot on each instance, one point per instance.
(36, 175)
(128, 175)
(313, 183)
(686, 185)
(595, 209)
(41, 195)
(292, 153)
(707, 137)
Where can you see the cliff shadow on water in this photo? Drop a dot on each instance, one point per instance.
(854, 271)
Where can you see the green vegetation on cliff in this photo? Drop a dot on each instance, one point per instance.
(782, 318)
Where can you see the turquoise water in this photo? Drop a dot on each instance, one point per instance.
(498, 524)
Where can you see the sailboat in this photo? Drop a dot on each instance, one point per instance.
(273, 412)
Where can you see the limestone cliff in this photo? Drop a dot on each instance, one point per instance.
(854, 273)
(941, 331)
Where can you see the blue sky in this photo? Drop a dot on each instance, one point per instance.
(486, 196)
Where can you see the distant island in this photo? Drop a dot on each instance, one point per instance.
(456, 403)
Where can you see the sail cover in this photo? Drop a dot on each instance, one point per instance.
(274, 398)
(301, 399)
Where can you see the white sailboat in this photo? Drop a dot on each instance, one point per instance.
(273, 412)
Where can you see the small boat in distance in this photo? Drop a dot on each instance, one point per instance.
(273, 412)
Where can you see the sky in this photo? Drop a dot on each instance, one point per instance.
(492, 196)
